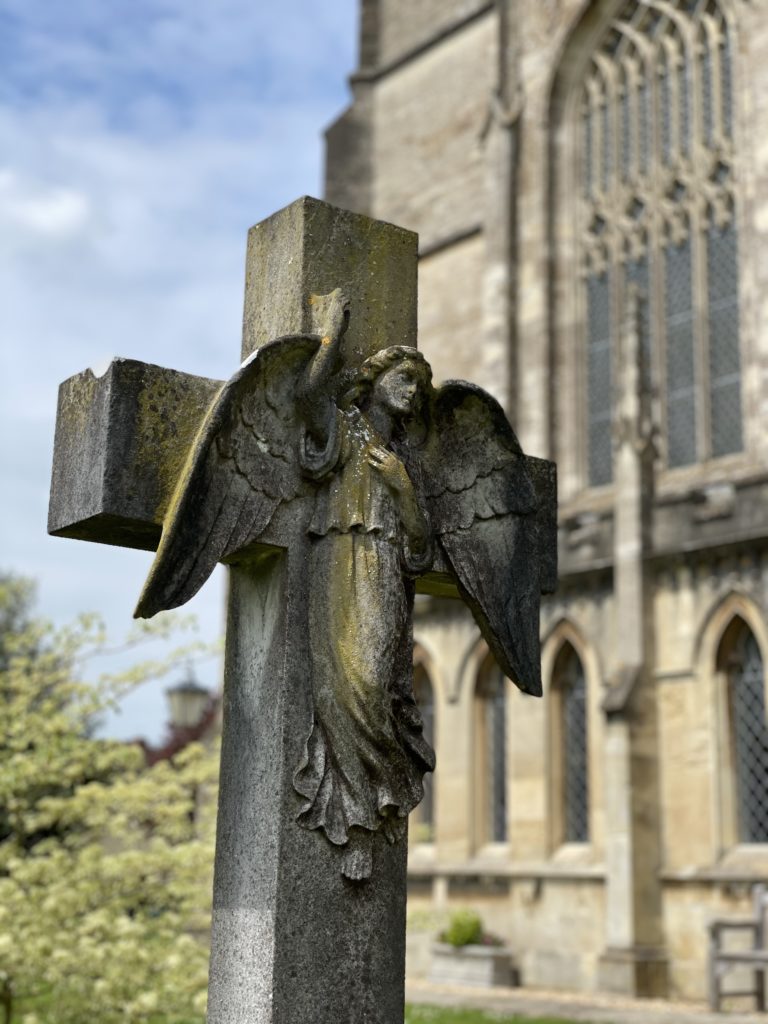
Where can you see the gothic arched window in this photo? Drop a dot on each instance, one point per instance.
(657, 209)
(424, 814)
(570, 747)
(748, 734)
(491, 756)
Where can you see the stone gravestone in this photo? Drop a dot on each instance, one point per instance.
(334, 480)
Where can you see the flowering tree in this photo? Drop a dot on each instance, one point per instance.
(104, 863)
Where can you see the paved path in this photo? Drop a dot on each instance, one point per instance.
(575, 1006)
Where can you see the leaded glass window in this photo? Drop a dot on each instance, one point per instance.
(607, 145)
(723, 320)
(570, 693)
(644, 125)
(425, 813)
(599, 377)
(726, 84)
(684, 107)
(681, 371)
(707, 108)
(625, 121)
(492, 750)
(656, 113)
(638, 274)
(750, 740)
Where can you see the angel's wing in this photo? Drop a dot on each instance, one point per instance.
(494, 512)
(243, 464)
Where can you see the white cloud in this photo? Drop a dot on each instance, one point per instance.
(139, 141)
(50, 211)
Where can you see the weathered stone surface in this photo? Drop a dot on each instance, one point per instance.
(309, 248)
(293, 939)
(476, 966)
(121, 441)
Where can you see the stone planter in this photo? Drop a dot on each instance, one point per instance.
(481, 966)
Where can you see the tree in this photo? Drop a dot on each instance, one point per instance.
(104, 863)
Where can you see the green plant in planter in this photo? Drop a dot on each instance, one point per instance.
(465, 928)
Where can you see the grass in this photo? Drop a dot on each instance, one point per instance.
(43, 1006)
(440, 1015)
(413, 1015)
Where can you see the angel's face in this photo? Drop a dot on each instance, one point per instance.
(398, 388)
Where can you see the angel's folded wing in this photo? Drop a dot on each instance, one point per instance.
(494, 512)
(242, 465)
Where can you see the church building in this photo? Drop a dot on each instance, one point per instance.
(589, 181)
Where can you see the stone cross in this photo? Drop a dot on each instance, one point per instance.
(294, 938)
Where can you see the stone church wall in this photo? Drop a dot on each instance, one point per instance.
(437, 142)
(428, 156)
(405, 26)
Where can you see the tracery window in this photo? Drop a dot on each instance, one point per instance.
(657, 209)
(749, 738)
(424, 814)
(491, 756)
(570, 748)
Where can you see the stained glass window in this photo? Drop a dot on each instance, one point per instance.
(625, 125)
(723, 321)
(644, 125)
(599, 389)
(572, 701)
(681, 379)
(491, 694)
(638, 275)
(607, 145)
(425, 812)
(707, 109)
(727, 84)
(684, 102)
(750, 740)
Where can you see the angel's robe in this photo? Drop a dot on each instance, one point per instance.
(366, 754)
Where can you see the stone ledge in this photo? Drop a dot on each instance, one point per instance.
(689, 521)
(514, 872)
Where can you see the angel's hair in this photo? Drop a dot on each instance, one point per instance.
(372, 368)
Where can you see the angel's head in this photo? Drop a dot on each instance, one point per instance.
(397, 378)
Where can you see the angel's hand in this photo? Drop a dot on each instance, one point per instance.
(391, 469)
(337, 317)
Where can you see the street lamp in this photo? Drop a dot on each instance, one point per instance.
(188, 701)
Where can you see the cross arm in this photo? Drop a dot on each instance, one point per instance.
(121, 440)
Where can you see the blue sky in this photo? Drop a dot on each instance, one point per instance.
(139, 139)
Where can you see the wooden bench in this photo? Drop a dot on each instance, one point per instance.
(755, 956)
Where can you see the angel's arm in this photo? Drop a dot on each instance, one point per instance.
(314, 393)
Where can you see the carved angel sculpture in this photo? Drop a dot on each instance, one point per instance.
(392, 471)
